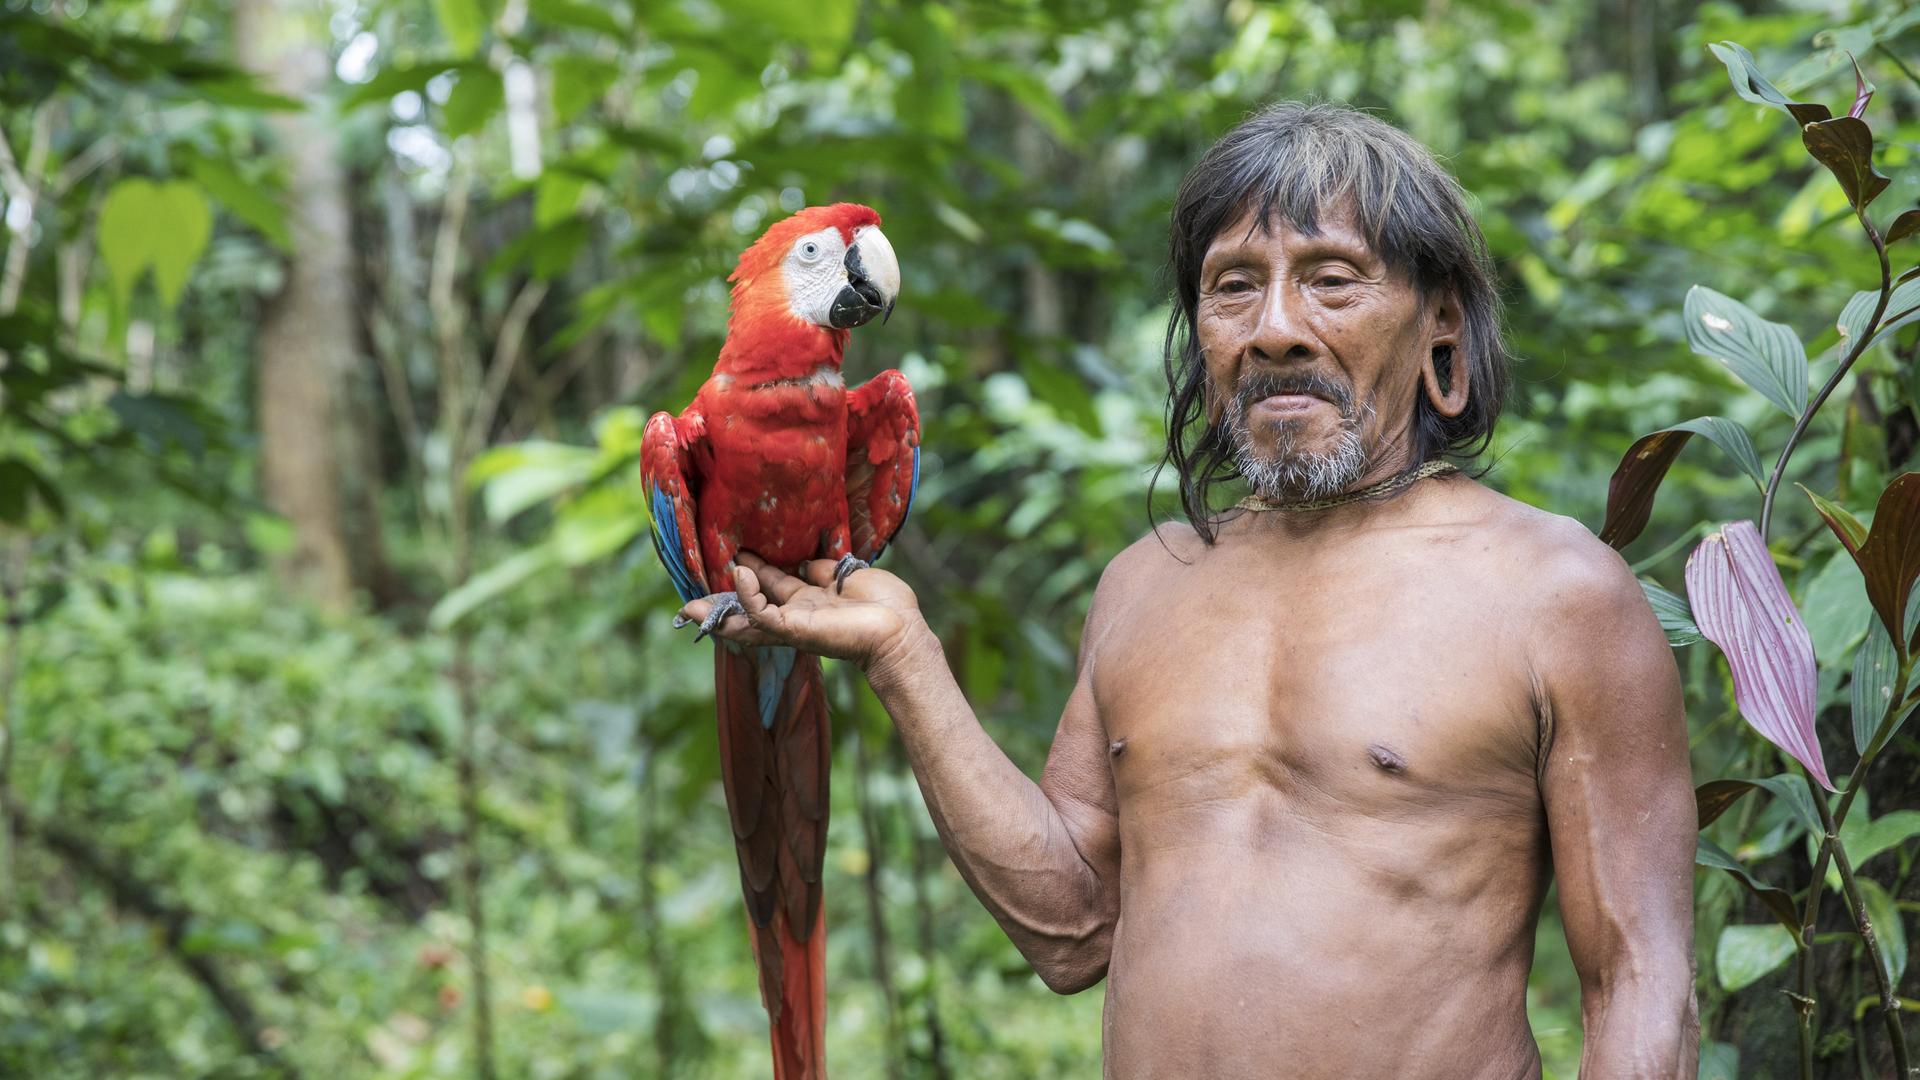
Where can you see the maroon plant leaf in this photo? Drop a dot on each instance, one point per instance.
(1630, 492)
(1636, 480)
(1844, 144)
(1862, 89)
(1890, 558)
(1904, 226)
(1742, 606)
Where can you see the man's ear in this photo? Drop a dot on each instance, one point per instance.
(1443, 351)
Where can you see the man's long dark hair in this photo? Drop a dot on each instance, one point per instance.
(1296, 163)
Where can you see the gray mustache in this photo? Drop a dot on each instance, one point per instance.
(1255, 387)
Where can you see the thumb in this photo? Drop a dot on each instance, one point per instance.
(752, 598)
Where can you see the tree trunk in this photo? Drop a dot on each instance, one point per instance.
(316, 459)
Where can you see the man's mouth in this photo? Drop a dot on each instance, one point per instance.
(1285, 404)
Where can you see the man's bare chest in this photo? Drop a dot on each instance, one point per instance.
(1385, 703)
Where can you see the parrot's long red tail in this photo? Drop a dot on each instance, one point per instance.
(773, 761)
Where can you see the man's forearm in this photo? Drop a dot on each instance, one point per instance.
(1642, 1028)
(1010, 842)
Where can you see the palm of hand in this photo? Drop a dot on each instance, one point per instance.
(856, 621)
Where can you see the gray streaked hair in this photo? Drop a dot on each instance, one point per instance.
(1295, 163)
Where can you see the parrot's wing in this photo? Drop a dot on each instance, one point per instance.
(883, 461)
(665, 467)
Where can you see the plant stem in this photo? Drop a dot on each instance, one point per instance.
(1831, 821)
(1876, 955)
(1846, 365)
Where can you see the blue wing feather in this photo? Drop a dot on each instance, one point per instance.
(666, 542)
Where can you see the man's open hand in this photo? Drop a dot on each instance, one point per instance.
(870, 615)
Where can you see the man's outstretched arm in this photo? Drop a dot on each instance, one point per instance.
(1620, 814)
(1044, 858)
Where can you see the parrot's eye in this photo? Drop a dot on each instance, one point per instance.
(809, 251)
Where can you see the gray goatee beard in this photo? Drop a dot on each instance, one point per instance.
(1294, 473)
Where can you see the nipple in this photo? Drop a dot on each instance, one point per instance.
(1386, 758)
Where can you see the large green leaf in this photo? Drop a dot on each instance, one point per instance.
(1767, 356)
(159, 227)
(473, 100)
(1746, 954)
(526, 474)
(463, 22)
(1834, 604)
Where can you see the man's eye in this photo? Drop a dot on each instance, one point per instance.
(1235, 285)
(1332, 281)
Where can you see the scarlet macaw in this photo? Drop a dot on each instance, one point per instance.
(775, 455)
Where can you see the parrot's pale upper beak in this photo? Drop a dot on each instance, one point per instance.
(873, 281)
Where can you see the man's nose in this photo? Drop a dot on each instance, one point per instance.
(1283, 333)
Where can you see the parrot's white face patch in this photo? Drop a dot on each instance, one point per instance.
(815, 272)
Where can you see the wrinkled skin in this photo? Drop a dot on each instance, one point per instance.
(1313, 781)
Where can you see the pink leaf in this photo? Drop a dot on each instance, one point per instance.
(1741, 605)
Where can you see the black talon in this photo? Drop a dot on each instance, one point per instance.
(724, 604)
(847, 565)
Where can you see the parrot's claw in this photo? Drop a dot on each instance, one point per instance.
(724, 604)
(847, 565)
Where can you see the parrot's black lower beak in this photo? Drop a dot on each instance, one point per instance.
(860, 299)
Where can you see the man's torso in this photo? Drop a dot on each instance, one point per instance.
(1325, 748)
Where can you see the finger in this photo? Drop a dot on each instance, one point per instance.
(747, 584)
(779, 585)
(819, 572)
(695, 611)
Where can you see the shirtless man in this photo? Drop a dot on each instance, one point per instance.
(1322, 760)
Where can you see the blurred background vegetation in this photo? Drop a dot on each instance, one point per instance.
(342, 716)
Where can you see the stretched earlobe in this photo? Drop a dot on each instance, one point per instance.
(1451, 400)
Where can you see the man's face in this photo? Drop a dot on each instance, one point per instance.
(1313, 354)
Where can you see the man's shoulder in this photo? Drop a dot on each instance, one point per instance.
(1563, 569)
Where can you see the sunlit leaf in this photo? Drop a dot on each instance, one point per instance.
(159, 227)
(463, 22)
(1746, 954)
(473, 100)
(1741, 605)
(1767, 356)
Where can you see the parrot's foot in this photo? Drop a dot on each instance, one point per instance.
(847, 565)
(724, 604)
